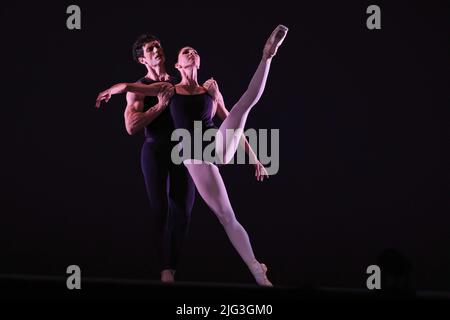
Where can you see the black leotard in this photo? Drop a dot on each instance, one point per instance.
(186, 110)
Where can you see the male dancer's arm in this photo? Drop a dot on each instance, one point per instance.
(135, 118)
(145, 89)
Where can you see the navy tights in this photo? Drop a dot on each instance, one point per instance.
(171, 193)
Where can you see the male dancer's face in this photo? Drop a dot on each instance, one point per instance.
(153, 54)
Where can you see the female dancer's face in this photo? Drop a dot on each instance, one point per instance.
(188, 57)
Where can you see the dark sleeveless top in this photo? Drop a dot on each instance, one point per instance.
(187, 109)
(160, 129)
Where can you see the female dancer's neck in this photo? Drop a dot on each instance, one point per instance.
(189, 78)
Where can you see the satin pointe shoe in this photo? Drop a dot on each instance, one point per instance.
(275, 40)
(259, 271)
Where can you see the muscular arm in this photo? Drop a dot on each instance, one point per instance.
(135, 118)
(139, 88)
(145, 89)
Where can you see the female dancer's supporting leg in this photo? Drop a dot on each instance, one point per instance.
(206, 176)
(211, 188)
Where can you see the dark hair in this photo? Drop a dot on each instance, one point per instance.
(179, 51)
(138, 51)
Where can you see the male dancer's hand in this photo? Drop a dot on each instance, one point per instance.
(213, 89)
(106, 95)
(164, 96)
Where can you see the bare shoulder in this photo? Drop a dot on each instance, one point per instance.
(132, 97)
(135, 102)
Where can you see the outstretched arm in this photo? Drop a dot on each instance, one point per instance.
(135, 118)
(145, 89)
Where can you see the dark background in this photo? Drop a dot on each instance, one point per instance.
(362, 167)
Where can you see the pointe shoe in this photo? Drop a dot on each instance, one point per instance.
(168, 276)
(275, 40)
(259, 271)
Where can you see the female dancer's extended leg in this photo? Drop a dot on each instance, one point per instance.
(226, 146)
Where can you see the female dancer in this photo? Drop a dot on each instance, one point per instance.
(190, 103)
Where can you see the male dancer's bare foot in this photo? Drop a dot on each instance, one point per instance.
(275, 40)
(168, 275)
(259, 271)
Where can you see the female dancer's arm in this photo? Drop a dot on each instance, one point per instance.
(145, 89)
(222, 113)
(260, 171)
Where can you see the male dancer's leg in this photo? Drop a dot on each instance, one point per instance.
(181, 201)
(154, 166)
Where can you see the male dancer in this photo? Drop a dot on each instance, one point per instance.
(170, 189)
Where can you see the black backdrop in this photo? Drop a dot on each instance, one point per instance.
(361, 152)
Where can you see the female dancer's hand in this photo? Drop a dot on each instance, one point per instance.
(260, 171)
(106, 95)
(165, 95)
